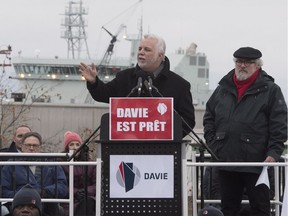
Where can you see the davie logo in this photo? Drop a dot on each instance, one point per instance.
(141, 118)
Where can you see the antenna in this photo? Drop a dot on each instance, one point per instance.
(75, 33)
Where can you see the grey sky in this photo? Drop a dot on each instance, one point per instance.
(218, 27)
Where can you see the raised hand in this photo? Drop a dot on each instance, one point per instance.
(88, 72)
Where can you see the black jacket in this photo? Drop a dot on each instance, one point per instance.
(167, 82)
(11, 148)
(248, 130)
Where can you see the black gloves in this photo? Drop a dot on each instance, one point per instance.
(43, 193)
(80, 195)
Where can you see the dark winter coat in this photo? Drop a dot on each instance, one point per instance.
(250, 129)
(79, 179)
(167, 82)
(11, 148)
(80, 176)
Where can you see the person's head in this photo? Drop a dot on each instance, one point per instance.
(31, 142)
(210, 211)
(20, 131)
(27, 201)
(151, 52)
(247, 61)
(72, 141)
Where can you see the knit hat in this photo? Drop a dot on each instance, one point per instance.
(69, 137)
(27, 195)
(210, 211)
(247, 53)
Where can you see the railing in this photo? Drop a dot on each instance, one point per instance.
(195, 183)
(53, 163)
(193, 165)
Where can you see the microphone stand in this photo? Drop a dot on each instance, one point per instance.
(202, 148)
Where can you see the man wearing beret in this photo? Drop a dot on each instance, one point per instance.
(245, 121)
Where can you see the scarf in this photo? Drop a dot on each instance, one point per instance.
(243, 85)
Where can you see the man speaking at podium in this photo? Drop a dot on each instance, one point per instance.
(152, 70)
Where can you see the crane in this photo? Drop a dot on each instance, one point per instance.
(107, 56)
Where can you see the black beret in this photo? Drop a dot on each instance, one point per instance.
(247, 53)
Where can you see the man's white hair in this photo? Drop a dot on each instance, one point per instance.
(161, 45)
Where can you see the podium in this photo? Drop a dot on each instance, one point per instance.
(143, 176)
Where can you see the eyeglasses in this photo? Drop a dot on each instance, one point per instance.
(246, 63)
(35, 146)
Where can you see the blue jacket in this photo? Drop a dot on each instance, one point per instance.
(15, 177)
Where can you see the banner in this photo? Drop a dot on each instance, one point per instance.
(141, 176)
(141, 119)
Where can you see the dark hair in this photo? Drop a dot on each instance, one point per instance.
(34, 134)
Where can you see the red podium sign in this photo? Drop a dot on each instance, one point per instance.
(141, 118)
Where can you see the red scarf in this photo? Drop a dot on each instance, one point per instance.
(243, 85)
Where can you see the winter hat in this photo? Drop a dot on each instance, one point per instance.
(210, 211)
(27, 195)
(247, 53)
(69, 137)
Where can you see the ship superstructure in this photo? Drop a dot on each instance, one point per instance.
(59, 81)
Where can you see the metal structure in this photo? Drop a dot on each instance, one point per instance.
(102, 67)
(6, 51)
(74, 24)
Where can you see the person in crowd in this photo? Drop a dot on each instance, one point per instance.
(84, 178)
(245, 121)
(49, 181)
(151, 62)
(15, 145)
(27, 201)
(210, 211)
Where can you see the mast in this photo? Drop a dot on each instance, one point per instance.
(74, 33)
(135, 41)
(6, 51)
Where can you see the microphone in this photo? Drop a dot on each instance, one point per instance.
(137, 87)
(150, 84)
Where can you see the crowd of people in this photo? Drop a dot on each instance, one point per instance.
(48, 181)
(245, 121)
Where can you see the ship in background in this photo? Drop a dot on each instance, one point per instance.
(58, 81)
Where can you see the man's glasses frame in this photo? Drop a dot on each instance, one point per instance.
(245, 62)
(35, 146)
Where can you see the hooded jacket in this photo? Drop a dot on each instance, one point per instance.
(250, 129)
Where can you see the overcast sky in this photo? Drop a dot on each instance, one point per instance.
(218, 27)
